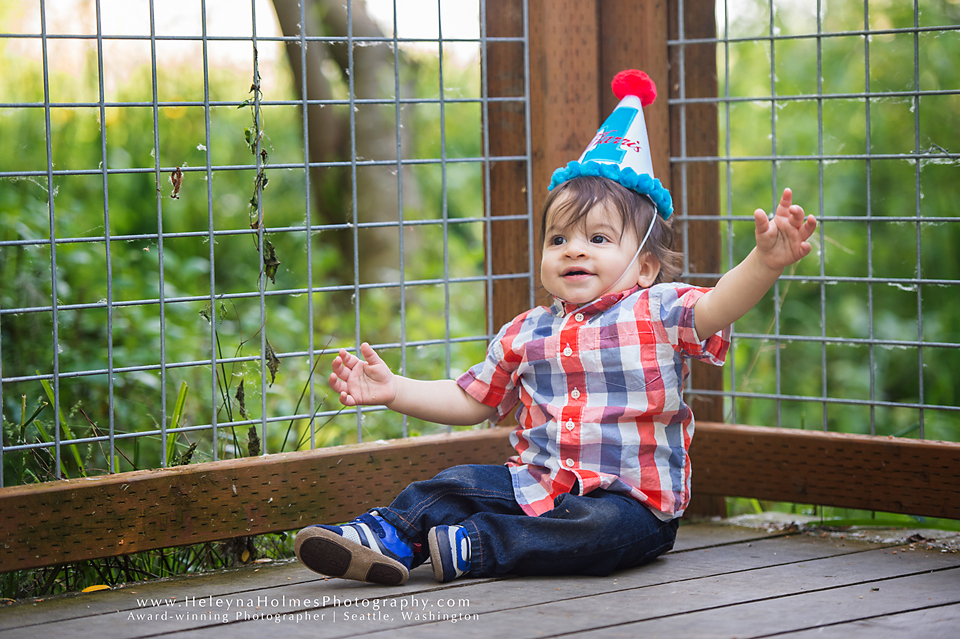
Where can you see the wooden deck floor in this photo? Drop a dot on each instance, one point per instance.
(720, 581)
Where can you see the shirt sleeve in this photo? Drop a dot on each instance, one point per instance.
(672, 309)
(492, 381)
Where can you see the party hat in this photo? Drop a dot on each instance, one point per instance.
(620, 150)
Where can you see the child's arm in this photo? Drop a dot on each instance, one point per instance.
(372, 382)
(781, 241)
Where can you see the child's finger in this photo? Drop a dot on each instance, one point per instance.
(809, 226)
(340, 366)
(786, 199)
(761, 220)
(369, 354)
(347, 360)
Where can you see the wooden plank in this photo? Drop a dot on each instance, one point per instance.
(509, 245)
(937, 621)
(828, 606)
(908, 476)
(810, 611)
(564, 82)
(695, 534)
(74, 606)
(74, 520)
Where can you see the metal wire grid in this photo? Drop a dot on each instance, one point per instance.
(826, 216)
(727, 160)
(163, 365)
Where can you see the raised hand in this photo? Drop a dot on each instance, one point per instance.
(782, 239)
(362, 382)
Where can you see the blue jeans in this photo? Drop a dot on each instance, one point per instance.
(591, 535)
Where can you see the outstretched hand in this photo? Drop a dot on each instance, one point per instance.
(782, 239)
(362, 382)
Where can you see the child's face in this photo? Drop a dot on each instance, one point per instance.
(584, 261)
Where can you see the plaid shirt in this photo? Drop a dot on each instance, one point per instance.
(601, 394)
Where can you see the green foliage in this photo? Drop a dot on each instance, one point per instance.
(243, 264)
(852, 189)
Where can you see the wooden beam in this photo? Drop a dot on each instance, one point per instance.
(575, 50)
(698, 182)
(565, 102)
(507, 134)
(696, 187)
(633, 35)
(909, 476)
(79, 519)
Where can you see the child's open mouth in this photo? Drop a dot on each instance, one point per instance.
(576, 273)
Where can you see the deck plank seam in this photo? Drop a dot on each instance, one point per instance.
(857, 620)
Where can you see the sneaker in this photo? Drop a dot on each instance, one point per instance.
(366, 549)
(449, 552)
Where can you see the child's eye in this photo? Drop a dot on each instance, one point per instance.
(557, 240)
(598, 239)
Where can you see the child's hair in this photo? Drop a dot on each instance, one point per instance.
(635, 210)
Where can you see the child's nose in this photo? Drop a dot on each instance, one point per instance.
(575, 248)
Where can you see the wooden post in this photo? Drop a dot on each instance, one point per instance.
(564, 101)
(696, 186)
(509, 250)
(633, 35)
(575, 50)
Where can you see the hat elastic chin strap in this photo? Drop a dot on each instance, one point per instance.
(653, 220)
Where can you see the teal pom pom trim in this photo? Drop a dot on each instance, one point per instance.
(626, 177)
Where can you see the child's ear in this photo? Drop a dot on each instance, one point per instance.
(649, 270)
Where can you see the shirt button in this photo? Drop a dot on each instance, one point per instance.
(570, 425)
(578, 317)
(575, 394)
(569, 463)
(568, 351)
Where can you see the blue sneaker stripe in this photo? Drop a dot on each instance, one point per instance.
(446, 560)
(368, 538)
(463, 553)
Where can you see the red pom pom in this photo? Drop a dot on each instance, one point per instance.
(633, 82)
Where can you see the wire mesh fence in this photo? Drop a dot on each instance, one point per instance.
(193, 226)
(854, 107)
(203, 201)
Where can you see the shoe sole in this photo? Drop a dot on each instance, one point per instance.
(435, 559)
(327, 553)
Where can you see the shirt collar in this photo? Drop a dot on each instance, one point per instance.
(561, 308)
